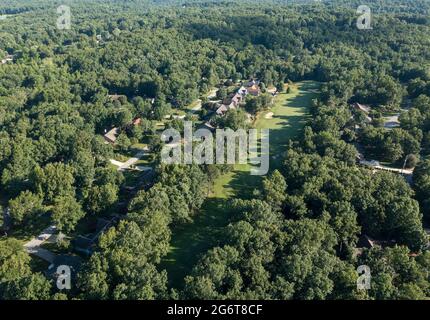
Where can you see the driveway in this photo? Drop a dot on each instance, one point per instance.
(131, 161)
(33, 246)
(42, 253)
(126, 165)
(116, 163)
(392, 121)
(210, 95)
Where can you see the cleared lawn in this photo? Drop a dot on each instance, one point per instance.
(190, 241)
(193, 105)
(288, 119)
(197, 103)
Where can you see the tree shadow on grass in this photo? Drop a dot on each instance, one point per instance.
(192, 240)
(31, 228)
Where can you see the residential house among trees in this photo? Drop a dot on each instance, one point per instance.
(235, 100)
(8, 58)
(361, 107)
(111, 135)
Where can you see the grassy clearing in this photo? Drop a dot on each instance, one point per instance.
(288, 119)
(190, 241)
(192, 105)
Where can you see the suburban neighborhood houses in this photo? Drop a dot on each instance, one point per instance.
(234, 101)
(84, 244)
(389, 123)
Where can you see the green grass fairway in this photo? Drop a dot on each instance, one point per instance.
(190, 241)
(289, 117)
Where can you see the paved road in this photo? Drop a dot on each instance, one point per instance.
(116, 163)
(400, 171)
(385, 168)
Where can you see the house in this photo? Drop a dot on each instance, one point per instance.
(361, 107)
(86, 244)
(252, 87)
(254, 90)
(136, 121)
(233, 104)
(233, 101)
(252, 83)
(365, 242)
(228, 101)
(72, 261)
(111, 135)
(211, 106)
(8, 58)
(222, 109)
(243, 91)
(83, 245)
(115, 97)
(237, 99)
(102, 225)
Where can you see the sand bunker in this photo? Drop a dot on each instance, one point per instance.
(269, 115)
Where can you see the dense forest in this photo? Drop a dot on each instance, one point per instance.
(296, 235)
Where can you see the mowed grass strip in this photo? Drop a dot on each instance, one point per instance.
(189, 242)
